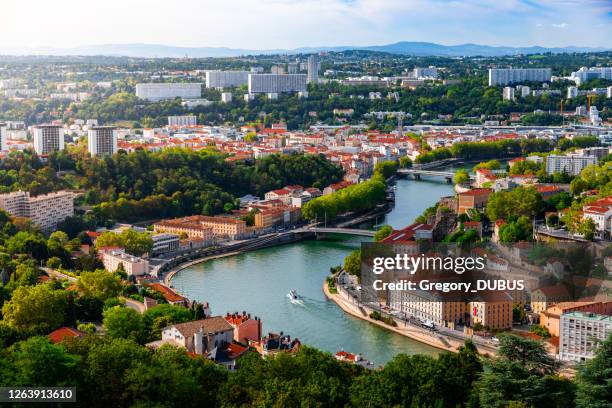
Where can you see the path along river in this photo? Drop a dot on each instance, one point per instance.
(257, 282)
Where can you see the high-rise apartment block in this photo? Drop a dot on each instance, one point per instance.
(571, 164)
(273, 83)
(3, 146)
(159, 92)
(183, 120)
(585, 74)
(508, 93)
(48, 138)
(44, 210)
(581, 333)
(313, 69)
(102, 140)
(226, 79)
(516, 75)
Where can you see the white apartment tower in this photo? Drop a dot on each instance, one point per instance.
(3, 146)
(162, 91)
(571, 164)
(48, 138)
(44, 210)
(580, 334)
(508, 93)
(313, 69)
(273, 83)
(102, 140)
(516, 75)
(226, 79)
(182, 120)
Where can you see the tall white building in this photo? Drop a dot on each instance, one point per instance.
(273, 83)
(572, 92)
(514, 75)
(525, 90)
(3, 146)
(508, 93)
(313, 69)
(571, 164)
(580, 334)
(183, 120)
(226, 79)
(44, 210)
(159, 92)
(48, 138)
(585, 74)
(102, 140)
(226, 97)
(431, 72)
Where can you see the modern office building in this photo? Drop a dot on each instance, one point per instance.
(159, 92)
(273, 83)
(3, 137)
(571, 164)
(581, 334)
(183, 120)
(515, 75)
(313, 69)
(431, 72)
(48, 138)
(45, 210)
(102, 140)
(508, 93)
(226, 79)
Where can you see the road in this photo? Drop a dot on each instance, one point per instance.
(134, 304)
(59, 275)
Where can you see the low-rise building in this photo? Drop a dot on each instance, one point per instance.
(494, 312)
(164, 242)
(132, 265)
(472, 199)
(246, 328)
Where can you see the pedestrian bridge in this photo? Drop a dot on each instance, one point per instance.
(347, 231)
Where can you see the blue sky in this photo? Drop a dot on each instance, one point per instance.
(259, 24)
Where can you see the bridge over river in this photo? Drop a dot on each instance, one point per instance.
(417, 173)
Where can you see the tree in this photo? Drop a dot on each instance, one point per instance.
(37, 309)
(386, 168)
(587, 228)
(383, 233)
(405, 162)
(352, 263)
(123, 322)
(593, 379)
(99, 284)
(461, 177)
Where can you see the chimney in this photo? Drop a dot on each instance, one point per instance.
(197, 342)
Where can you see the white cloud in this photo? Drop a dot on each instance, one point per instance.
(560, 25)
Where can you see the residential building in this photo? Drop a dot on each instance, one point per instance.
(246, 328)
(226, 97)
(426, 305)
(430, 72)
(493, 310)
(48, 138)
(164, 243)
(161, 91)
(281, 194)
(172, 297)
(225, 227)
(571, 164)
(102, 140)
(275, 83)
(132, 265)
(581, 334)
(226, 79)
(600, 212)
(45, 210)
(551, 318)
(313, 69)
(508, 94)
(3, 137)
(200, 336)
(585, 74)
(190, 227)
(572, 92)
(183, 120)
(472, 199)
(516, 75)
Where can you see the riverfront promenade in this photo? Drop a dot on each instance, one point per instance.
(435, 339)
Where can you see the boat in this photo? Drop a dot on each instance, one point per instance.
(292, 295)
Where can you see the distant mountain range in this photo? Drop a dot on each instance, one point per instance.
(402, 48)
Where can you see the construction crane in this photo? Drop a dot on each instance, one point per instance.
(589, 101)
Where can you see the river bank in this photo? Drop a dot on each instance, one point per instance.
(342, 299)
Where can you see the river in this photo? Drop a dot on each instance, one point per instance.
(257, 282)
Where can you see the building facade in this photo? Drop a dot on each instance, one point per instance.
(46, 210)
(571, 164)
(132, 265)
(226, 79)
(581, 333)
(161, 91)
(102, 141)
(48, 138)
(313, 69)
(183, 120)
(515, 75)
(274, 83)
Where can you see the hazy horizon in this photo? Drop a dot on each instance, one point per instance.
(290, 24)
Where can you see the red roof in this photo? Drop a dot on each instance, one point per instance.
(477, 191)
(407, 234)
(59, 335)
(168, 294)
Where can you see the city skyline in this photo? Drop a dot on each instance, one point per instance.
(292, 24)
